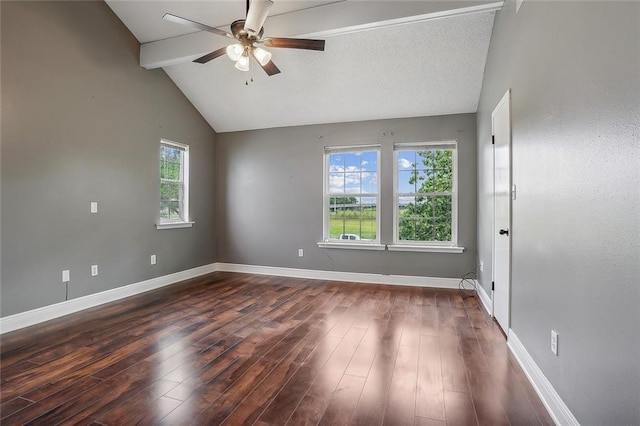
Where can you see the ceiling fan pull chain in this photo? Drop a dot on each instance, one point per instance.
(246, 82)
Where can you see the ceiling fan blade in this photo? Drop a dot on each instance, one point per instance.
(258, 12)
(211, 56)
(295, 43)
(270, 68)
(197, 25)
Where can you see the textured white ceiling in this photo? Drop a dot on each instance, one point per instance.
(414, 69)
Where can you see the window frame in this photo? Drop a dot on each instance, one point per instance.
(413, 245)
(328, 242)
(183, 221)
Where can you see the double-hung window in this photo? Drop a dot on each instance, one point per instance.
(174, 185)
(352, 197)
(425, 198)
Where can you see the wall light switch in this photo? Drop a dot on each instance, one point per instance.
(94, 270)
(94, 207)
(65, 276)
(153, 259)
(481, 266)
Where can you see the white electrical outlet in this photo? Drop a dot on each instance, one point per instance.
(94, 207)
(481, 266)
(94, 270)
(153, 259)
(300, 252)
(65, 276)
(554, 342)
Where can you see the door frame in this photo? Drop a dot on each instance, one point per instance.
(505, 99)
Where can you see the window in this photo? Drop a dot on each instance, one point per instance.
(425, 197)
(351, 196)
(174, 185)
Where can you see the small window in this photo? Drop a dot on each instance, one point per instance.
(351, 190)
(174, 183)
(426, 200)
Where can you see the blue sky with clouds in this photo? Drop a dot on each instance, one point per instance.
(356, 173)
(353, 173)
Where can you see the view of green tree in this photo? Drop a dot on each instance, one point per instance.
(170, 163)
(427, 215)
(170, 185)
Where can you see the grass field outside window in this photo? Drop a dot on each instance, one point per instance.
(351, 194)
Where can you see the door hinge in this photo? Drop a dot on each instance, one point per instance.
(493, 139)
(493, 285)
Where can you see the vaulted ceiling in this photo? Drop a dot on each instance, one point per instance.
(382, 59)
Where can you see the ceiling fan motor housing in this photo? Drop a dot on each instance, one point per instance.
(238, 31)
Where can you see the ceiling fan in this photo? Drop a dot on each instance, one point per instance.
(247, 34)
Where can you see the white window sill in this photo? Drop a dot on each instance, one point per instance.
(351, 246)
(174, 225)
(426, 249)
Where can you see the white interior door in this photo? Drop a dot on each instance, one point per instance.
(501, 127)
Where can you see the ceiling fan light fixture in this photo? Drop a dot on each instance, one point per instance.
(243, 63)
(262, 56)
(234, 51)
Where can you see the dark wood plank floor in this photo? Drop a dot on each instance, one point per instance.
(245, 349)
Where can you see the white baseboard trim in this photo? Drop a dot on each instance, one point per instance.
(46, 313)
(555, 405)
(484, 298)
(354, 277)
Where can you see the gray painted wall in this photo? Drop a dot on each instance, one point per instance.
(81, 122)
(269, 186)
(574, 71)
